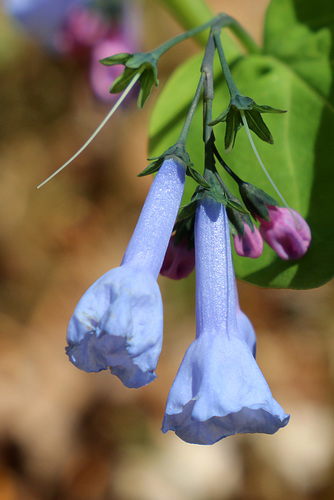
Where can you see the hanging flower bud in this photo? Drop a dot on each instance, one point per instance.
(286, 232)
(179, 260)
(250, 244)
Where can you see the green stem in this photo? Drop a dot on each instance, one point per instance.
(244, 37)
(188, 34)
(207, 69)
(233, 89)
(190, 13)
(94, 134)
(225, 166)
(186, 126)
(250, 138)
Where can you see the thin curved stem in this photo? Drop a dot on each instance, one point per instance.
(94, 134)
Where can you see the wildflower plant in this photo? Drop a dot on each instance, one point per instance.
(219, 389)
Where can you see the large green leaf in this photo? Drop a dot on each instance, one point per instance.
(293, 73)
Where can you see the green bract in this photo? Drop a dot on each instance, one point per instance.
(233, 119)
(145, 64)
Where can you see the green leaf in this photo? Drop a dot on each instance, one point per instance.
(295, 74)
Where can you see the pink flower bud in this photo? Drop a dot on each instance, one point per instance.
(250, 244)
(179, 260)
(289, 235)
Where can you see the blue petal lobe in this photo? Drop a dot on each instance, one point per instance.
(118, 324)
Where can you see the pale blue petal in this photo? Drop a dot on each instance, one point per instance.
(220, 391)
(149, 242)
(246, 331)
(118, 324)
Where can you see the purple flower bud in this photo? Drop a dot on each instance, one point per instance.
(118, 322)
(179, 260)
(219, 389)
(289, 235)
(250, 244)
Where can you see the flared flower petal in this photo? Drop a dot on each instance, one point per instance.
(118, 323)
(219, 389)
(286, 232)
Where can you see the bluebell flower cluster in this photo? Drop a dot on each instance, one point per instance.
(118, 324)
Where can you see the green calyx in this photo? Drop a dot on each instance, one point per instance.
(256, 200)
(253, 111)
(177, 151)
(145, 64)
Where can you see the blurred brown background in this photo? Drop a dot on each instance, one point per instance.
(68, 435)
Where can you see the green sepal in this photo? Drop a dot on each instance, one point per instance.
(216, 190)
(256, 200)
(187, 210)
(152, 168)
(122, 81)
(238, 219)
(233, 125)
(256, 123)
(147, 80)
(233, 119)
(121, 58)
(236, 205)
(178, 151)
(191, 172)
(143, 63)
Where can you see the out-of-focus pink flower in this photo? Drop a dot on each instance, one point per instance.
(250, 244)
(286, 232)
(179, 261)
(101, 77)
(83, 29)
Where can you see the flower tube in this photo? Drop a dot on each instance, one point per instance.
(118, 322)
(219, 389)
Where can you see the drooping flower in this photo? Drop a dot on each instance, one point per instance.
(287, 232)
(118, 322)
(179, 260)
(219, 389)
(250, 244)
